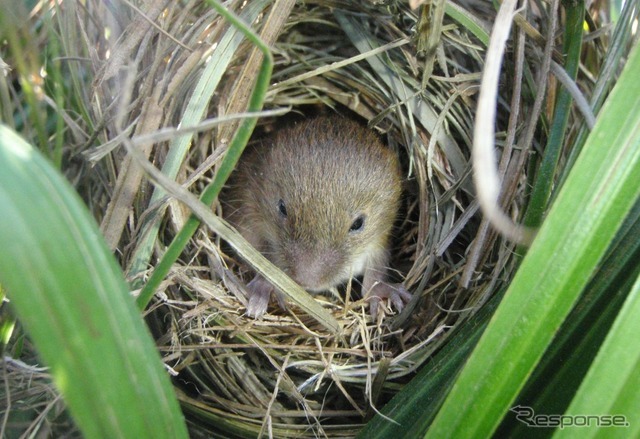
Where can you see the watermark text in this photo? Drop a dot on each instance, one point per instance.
(527, 416)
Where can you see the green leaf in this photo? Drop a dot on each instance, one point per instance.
(551, 156)
(600, 190)
(614, 378)
(469, 21)
(195, 111)
(70, 295)
(414, 407)
(566, 362)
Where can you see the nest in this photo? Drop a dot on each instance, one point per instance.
(286, 375)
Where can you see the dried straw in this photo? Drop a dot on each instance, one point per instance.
(412, 75)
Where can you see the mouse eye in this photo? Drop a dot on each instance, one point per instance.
(357, 225)
(282, 209)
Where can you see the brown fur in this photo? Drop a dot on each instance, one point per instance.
(328, 172)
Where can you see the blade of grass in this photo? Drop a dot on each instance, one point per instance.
(405, 89)
(71, 297)
(617, 49)
(226, 167)
(202, 212)
(614, 377)
(259, 262)
(545, 176)
(565, 363)
(469, 21)
(194, 114)
(415, 406)
(31, 116)
(599, 192)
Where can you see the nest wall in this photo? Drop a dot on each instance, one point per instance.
(285, 374)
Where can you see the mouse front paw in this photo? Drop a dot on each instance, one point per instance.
(260, 291)
(396, 293)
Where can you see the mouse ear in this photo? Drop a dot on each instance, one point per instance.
(358, 224)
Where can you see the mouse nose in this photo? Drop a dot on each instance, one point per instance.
(315, 271)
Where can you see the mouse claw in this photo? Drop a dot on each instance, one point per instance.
(396, 293)
(260, 291)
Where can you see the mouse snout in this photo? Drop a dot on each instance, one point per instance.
(314, 270)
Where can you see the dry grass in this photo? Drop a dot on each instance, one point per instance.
(285, 375)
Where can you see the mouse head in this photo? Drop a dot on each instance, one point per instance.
(324, 198)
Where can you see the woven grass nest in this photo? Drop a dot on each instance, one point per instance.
(286, 375)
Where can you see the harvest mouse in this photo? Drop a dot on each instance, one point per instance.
(319, 200)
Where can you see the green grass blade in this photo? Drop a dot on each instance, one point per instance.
(414, 407)
(70, 295)
(618, 47)
(614, 378)
(195, 112)
(469, 21)
(590, 208)
(566, 362)
(545, 175)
